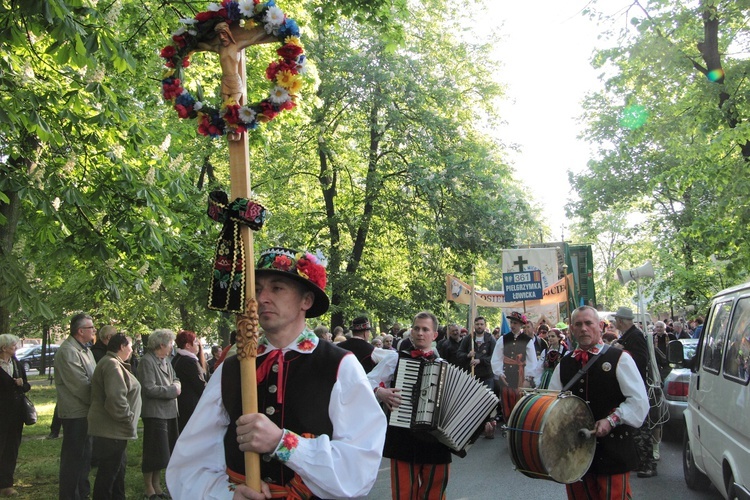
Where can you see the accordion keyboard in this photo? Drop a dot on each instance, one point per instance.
(407, 380)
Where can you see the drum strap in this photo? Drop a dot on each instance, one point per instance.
(585, 368)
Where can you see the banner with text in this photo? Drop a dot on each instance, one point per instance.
(532, 259)
(459, 292)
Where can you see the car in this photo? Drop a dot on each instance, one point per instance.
(677, 384)
(32, 358)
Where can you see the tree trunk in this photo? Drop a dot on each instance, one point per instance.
(12, 213)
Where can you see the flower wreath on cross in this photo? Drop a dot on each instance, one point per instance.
(285, 73)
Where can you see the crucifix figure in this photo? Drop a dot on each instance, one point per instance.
(230, 45)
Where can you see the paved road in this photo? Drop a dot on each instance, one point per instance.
(487, 473)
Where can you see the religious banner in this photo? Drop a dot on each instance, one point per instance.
(459, 292)
(532, 259)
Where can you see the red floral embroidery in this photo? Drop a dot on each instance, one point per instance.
(252, 211)
(261, 349)
(290, 441)
(306, 345)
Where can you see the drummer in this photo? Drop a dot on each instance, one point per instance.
(612, 381)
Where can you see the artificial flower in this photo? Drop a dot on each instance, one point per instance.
(279, 94)
(247, 8)
(247, 115)
(215, 121)
(274, 17)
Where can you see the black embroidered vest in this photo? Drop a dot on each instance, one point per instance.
(513, 348)
(615, 453)
(362, 349)
(309, 380)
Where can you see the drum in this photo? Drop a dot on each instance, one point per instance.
(545, 438)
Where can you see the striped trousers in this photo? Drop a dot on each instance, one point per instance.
(601, 487)
(418, 481)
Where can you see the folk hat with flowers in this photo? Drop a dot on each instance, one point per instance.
(517, 316)
(303, 267)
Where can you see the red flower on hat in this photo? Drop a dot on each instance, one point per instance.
(308, 267)
(282, 263)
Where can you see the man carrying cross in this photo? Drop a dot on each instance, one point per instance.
(320, 430)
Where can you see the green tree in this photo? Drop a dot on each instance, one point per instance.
(672, 133)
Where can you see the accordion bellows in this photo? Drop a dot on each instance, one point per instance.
(441, 399)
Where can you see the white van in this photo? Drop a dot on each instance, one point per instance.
(716, 446)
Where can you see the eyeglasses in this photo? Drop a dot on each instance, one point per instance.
(88, 328)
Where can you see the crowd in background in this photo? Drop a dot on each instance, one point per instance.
(105, 387)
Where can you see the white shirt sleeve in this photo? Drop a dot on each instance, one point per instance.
(540, 366)
(342, 466)
(197, 468)
(383, 371)
(530, 368)
(346, 465)
(634, 409)
(498, 358)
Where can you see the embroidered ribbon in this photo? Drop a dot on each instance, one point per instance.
(227, 290)
(276, 356)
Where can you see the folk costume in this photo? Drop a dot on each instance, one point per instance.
(550, 359)
(514, 358)
(420, 464)
(613, 390)
(333, 426)
(361, 348)
(484, 348)
(318, 395)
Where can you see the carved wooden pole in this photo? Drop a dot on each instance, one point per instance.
(247, 323)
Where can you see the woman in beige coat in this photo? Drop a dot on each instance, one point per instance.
(113, 417)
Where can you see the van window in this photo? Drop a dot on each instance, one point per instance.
(713, 340)
(738, 343)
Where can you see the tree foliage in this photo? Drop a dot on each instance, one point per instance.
(672, 130)
(103, 190)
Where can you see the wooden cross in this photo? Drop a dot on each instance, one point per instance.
(520, 263)
(230, 44)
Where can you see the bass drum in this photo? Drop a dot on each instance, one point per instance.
(544, 437)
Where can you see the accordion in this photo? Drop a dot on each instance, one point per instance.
(441, 399)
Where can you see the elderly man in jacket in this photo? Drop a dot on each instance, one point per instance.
(74, 367)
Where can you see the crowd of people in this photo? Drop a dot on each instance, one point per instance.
(323, 398)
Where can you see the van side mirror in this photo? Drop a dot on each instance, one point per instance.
(676, 354)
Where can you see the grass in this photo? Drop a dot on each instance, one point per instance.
(38, 463)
